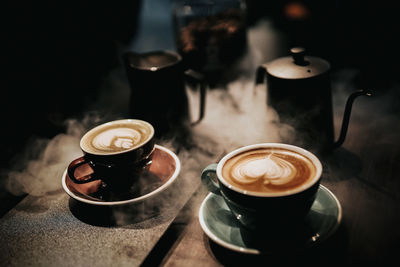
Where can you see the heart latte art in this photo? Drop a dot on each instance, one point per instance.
(271, 169)
(117, 137)
(268, 170)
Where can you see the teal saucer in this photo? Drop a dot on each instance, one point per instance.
(220, 225)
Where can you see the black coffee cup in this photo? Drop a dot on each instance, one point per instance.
(115, 152)
(273, 194)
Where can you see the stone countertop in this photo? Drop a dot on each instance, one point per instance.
(56, 230)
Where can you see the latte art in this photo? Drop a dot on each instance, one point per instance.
(117, 139)
(268, 170)
(117, 136)
(271, 169)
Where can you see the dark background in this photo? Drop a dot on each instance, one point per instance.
(58, 53)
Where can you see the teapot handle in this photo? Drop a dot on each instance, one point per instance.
(346, 116)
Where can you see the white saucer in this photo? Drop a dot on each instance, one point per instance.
(165, 167)
(220, 225)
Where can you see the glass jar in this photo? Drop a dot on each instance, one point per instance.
(210, 35)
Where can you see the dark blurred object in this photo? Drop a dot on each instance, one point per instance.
(349, 34)
(299, 89)
(56, 57)
(158, 94)
(210, 35)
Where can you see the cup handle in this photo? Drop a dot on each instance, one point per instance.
(209, 178)
(75, 164)
(197, 77)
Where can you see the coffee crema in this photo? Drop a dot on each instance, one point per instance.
(269, 170)
(117, 136)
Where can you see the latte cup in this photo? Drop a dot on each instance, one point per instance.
(266, 186)
(115, 152)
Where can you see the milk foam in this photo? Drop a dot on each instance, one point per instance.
(117, 139)
(271, 169)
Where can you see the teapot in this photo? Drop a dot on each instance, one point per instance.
(299, 90)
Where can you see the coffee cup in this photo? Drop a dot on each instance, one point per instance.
(115, 152)
(266, 186)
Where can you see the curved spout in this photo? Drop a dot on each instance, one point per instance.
(346, 116)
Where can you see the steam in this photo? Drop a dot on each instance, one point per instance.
(41, 174)
(235, 116)
(239, 116)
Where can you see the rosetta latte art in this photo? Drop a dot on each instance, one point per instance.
(117, 139)
(273, 170)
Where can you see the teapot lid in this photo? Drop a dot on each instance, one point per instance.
(297, 66)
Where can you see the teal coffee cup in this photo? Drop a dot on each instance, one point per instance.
(266, 185)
